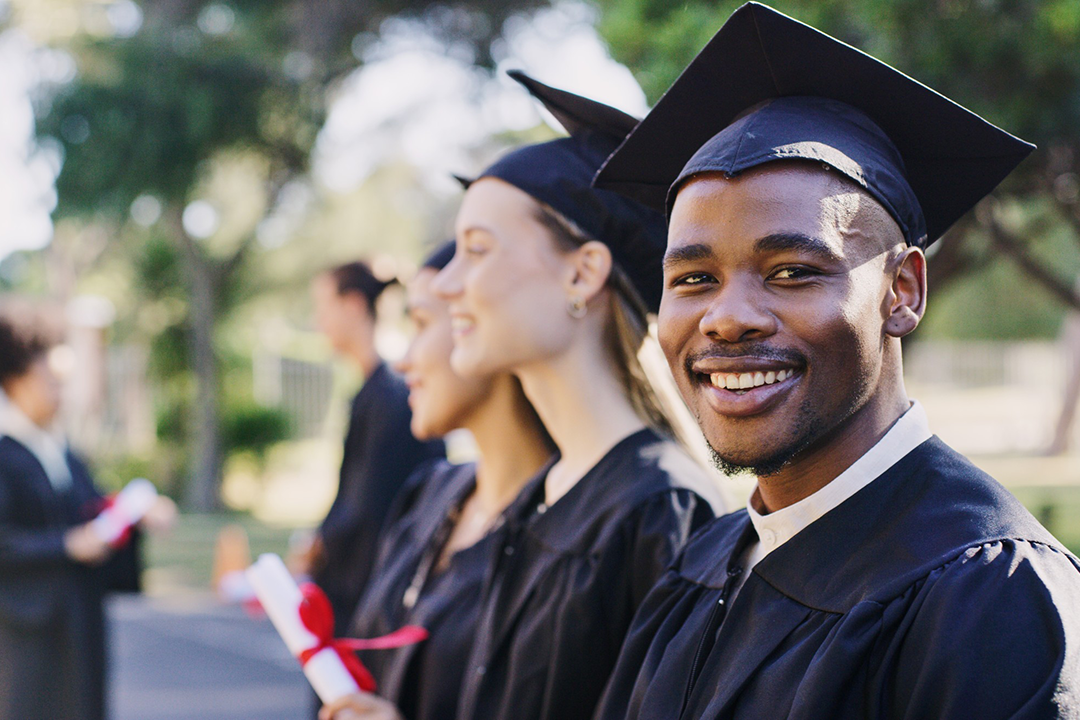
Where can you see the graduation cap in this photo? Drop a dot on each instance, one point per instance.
(440, 256)
(559, 173)
(768, 87)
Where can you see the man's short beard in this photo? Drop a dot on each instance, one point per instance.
(760, 468)
(807, 433)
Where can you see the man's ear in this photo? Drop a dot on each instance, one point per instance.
(590, 268)
(906, 301)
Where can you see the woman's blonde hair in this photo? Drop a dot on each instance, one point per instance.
(638, 359)
(627, 330)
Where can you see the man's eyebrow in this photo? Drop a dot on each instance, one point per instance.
(797, 242)
(686, 254)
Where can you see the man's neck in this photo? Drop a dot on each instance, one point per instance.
(816, 467)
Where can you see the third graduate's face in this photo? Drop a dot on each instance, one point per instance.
(507, 284)
(776, 296)
(339, 316)
(440, 400)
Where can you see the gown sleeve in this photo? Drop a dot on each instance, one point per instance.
(341, 517)
(664, 526)
(666, 605)
(992, 638)
(25, 548)
(657, 533)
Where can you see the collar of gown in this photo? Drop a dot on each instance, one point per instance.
(776, 528)
(47, 447)
(926, 510)
(610, 489)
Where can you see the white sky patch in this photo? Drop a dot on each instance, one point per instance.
(418, 101)
(561, 48)
(27, 172)
(416, 104)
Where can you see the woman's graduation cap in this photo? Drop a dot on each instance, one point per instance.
(768, 87)
(440, 256)
(559, 173)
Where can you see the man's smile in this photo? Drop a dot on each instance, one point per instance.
(741, 382)
(739, 387)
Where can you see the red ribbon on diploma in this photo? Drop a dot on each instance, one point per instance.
(317, 615)
(101, 506)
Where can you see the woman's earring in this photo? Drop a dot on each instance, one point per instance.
(576, 307)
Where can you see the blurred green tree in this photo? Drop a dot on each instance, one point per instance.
(154, 111)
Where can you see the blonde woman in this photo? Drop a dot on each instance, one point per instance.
(552, 281)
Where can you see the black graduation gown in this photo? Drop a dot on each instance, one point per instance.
(380, 454)
(568, 579)
(930, 593)
(52, 624)
(424, 680)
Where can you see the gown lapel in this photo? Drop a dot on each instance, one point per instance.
(505, 609)
(51, 502)
(759, 621)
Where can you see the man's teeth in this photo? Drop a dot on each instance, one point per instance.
(745, 381)
(460, 323)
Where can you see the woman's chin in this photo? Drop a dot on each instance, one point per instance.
(420, 429)
(467, 362)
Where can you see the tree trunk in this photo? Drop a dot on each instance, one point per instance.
(204, 427)
(1070, 340)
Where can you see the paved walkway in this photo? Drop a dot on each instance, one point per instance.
(192, 659)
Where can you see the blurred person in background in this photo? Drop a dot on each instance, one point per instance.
(380, 451)
(54, 567)
(552, 281)
(437, 546)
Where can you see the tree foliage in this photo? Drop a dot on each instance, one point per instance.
(201, 83)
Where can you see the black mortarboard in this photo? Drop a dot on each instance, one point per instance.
(559, 173)
(440, 256)
(768, 87)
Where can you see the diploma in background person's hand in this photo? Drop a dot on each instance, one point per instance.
(125, 509)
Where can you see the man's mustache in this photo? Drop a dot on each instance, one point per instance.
(757, 350)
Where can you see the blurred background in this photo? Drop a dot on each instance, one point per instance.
(174, 172)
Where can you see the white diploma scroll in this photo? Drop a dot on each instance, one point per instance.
(280, 597)
(128, 507)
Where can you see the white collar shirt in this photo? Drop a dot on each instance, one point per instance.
(776, 528)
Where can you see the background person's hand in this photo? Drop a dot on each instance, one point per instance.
(360, 706)
(84, 545)
(161, 516)
(307, 557)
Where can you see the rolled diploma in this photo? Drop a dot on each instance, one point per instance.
(280, 597)
(128, 508)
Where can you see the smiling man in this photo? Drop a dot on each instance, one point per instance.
(876, 573)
